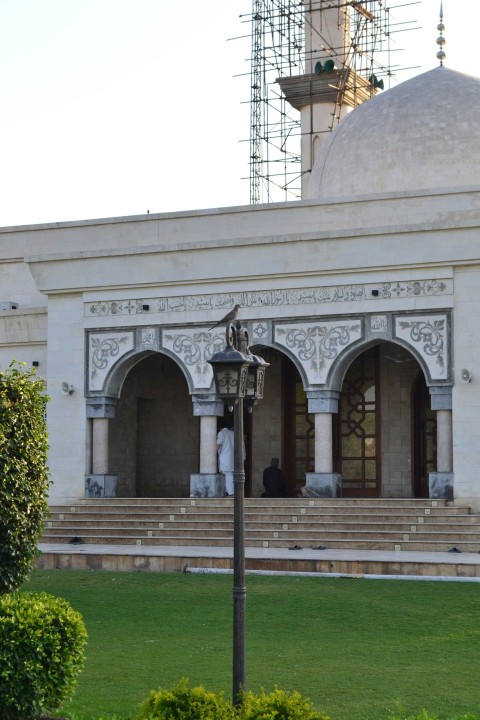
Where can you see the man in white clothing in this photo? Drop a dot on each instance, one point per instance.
(225, 445)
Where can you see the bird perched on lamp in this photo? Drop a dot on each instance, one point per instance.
(229, 317)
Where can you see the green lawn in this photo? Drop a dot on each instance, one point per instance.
(359, 649)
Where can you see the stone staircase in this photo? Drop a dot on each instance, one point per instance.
(360, 524)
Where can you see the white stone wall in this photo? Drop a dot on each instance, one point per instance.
(16, 283)
(66, 413)
(466, 397)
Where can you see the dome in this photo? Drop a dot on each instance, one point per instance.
(420, 135)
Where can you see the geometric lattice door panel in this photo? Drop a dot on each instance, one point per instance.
(298, 451)
(358, 438)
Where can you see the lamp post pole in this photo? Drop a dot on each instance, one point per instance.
(239, 587)
(238, 376)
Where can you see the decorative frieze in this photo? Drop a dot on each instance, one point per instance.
(272, 298)
(314, 344)
(317, 345)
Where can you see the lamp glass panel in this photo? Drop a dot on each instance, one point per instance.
(227, 380)
(260, 373)
(251, 383)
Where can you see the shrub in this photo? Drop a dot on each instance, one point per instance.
(23, 473)
(41, 651)
(278, 705)
(183, 702)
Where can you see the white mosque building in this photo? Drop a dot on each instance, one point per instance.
(364, 297)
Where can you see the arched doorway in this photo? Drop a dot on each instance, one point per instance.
(278, 426)
(375, 432)
(154, 438)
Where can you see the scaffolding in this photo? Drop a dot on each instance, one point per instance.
(279, 57)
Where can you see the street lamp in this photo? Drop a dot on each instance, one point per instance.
(239, 378)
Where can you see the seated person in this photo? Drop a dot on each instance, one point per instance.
(274, 481)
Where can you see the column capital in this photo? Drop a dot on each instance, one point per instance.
(323, 401)
(101, 407)
(207, 405)
(441, 397)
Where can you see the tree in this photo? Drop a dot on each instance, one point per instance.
(24, 477)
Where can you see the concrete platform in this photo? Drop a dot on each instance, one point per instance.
(367, 563)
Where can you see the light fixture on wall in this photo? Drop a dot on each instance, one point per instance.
(145, 308)
(35, 363)
(67, 389)
(465, 376)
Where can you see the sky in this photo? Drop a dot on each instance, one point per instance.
(119, 107)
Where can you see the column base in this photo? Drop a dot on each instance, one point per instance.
(207, 485)
(324, 485)
(98, 486)
(440, 485)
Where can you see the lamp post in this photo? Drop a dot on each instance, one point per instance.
(239, 378)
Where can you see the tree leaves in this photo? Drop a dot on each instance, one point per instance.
(23, 472)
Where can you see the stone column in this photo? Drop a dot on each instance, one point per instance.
(208, 482)
(208, 444)
(323, 443)
(100, 483)
(100, 446)
(444, 441)
(323, 482)
(441, 482)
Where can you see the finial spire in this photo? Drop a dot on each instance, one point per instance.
(441, 40)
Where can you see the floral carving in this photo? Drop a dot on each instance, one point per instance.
(120, 307)
(104, 351)
(316, 346)
(260, 329)
(430, 333)
(194, 349)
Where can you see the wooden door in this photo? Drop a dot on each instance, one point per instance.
(298, 446)
(357, 438)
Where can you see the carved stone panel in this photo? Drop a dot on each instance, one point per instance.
(317, 345)
(261, 331)
(428, 336)
(194, 347)
(104, 350)
(149, 338)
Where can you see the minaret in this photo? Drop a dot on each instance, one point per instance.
(330, 88)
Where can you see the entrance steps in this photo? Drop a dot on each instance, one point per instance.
(286, 523)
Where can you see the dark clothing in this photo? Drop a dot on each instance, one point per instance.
(274, 482)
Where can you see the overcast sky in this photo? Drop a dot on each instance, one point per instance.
(116, 107)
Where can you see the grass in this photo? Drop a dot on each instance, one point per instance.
(359, 649)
